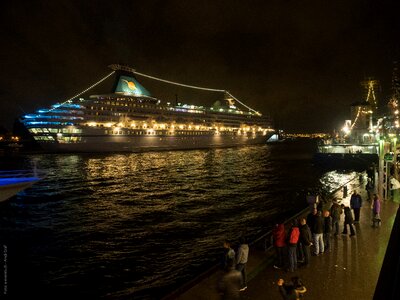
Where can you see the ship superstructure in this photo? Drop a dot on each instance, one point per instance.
(130, 119)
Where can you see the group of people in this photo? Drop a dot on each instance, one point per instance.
(234, 279)
(307, 236)
(313, 235)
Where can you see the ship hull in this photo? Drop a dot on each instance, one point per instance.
(153, 143)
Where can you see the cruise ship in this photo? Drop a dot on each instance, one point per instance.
(130, 119)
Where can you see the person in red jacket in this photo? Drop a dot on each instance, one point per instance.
(293, 238)
(279, 241)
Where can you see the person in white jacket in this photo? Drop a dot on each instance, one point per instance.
(242, 257)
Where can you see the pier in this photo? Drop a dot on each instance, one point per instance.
(349, 271)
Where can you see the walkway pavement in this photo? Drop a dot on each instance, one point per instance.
(349, 271)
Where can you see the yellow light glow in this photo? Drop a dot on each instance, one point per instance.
(92, 124)
(346, 129)
(108, 125)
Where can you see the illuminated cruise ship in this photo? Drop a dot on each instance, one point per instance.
(130, 119)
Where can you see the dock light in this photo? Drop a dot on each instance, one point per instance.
(133, 125)
(108, 124)
(92, 123)
(346, 129)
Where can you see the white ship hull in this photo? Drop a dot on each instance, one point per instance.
(152, 143)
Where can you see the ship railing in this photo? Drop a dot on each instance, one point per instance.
(265, 241)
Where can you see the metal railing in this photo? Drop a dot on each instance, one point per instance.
(264, 240)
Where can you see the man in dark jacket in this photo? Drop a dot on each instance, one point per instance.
(348, 220)
(311, 219)
(305, 240)
(318, 233)
(355, 204)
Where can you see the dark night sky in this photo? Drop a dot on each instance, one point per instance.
(299, 61)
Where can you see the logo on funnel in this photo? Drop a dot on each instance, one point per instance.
(130, 84)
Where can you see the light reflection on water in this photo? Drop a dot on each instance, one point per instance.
(140, 223)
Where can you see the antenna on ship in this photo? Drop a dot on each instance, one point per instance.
(118, 67)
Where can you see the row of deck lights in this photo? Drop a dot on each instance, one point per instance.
(175, 126)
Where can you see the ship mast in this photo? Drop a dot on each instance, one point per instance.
(394, 99)
(370, 86)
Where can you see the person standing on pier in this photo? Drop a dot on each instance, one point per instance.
(327, 231)
(311, 219)
(336, 211)
(318, 233)
(344, 191)
(279, 242)
(356, 204)
(242, 257)
(293, 239)
(305, 241)
(369, 187)
(348, 220)
(376, 210)
(229, 256)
